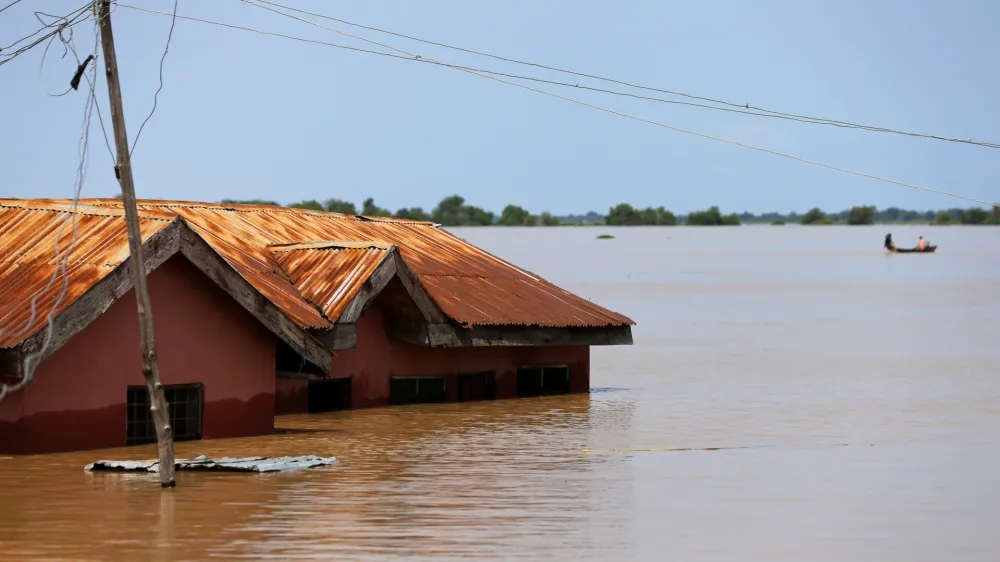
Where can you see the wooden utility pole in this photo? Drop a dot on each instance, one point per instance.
(150, 368)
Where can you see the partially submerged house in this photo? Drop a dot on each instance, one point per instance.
(261, 310)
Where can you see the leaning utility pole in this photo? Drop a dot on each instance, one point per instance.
(123, 170)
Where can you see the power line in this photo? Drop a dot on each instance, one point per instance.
(62, 23)
(9, 5)
(65, 22)
(629, 116)
(788, 117)
(166, 49)
(485, 71)
(71, 45)
(572, 100)
(508, 75)
(746, 106)
(61, 264)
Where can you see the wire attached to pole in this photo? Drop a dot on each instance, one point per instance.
(166, 49)
(30, 361)
(634, 117)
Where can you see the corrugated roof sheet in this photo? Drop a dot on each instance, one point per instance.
(329, 276)
(472, 286)
(28, 267)
(485, 301)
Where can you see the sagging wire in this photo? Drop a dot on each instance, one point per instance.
(166, 49)
(66, 42)
(65, 22)
(739, 107)
(487, 76)
(30, 361)
(69, 46)
(10, 5)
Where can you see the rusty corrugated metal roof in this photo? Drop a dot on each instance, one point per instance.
(481, 289)
(497, 301)
(29, 231)
(472, 286)
(329, 274)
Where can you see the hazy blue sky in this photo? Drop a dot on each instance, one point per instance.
(249, 116)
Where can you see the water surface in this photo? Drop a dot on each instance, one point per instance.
(863, 386)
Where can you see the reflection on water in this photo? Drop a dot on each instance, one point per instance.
(863, 386)
(413, 480)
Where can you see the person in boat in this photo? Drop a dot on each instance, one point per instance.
(921, 243)
(888, 241)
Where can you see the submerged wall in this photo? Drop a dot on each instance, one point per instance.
(377, 358)
(77, 398)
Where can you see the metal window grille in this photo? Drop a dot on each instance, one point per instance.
(416, 390)
(542, 381)
(476, 386)
(186, 403)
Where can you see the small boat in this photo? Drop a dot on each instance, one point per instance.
(889, 245)
(926, 250)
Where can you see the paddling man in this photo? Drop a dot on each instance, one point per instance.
(921, 243)
(888, 241)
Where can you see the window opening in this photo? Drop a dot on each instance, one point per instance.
(186, 404)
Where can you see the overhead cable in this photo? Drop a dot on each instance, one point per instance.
(492, 72)
(33, 357)
(70, 44)
(748, 109)
(565, 98)
(166, 49)
(629, 116)
(64, 23)
(9, 5)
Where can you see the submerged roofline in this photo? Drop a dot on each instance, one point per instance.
(343, 335)
(435, 329)
(449, 335)
(176, 238)
(440, 258)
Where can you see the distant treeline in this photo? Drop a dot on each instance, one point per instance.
(453, 211)
(624, 214)
(861, 215)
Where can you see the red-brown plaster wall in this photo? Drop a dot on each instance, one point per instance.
(377, 358)
(77, 398)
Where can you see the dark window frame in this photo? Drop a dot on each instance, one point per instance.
(396, 401)
(489, 385)
(187, 399)
(320, 399)
(524, 390)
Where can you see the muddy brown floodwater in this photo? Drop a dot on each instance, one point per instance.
(865, 388)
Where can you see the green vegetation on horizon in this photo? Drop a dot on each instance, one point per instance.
(453, 211)
(864, 215)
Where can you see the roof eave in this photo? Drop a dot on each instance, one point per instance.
(176, 238)
(446, 334)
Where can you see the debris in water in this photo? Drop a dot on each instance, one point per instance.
(605, 237)
(225, 464)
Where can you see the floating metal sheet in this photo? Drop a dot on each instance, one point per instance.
(329, 277)
(226, 464)
(472, 286)
(29, 231)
